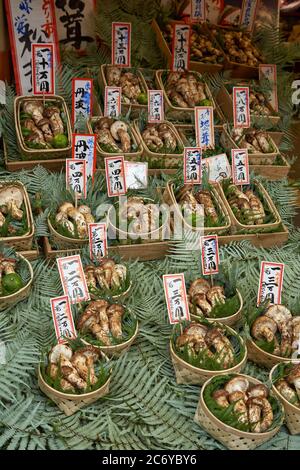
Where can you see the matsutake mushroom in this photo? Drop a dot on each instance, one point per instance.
(193, 202)
(160, 136)
(53, 114)
(246, 205)
(255, 141)
(128, 81)
(143, 217)
(186, 90)
(203, 297)
(11, 200)
(107, 275)
(113, 135)
(79, 219)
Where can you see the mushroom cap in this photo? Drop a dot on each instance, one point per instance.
(104, 123)
(42, 122)
(278, 313)
(115, 308)
(11, 193)
(90, 312)
(196, 328)
(88, 351)
(89, 268)
(237, 384)
(263, 322)
(187, 188)
(60, 350)
(220, 393)
(236, 396)
(65, 207)
(48, 112)
(259, 390)
(83, 209)
(199, 286)
(115, 127)
(294, 375)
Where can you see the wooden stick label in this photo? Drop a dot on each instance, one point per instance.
(269, 72)
(121, 44)
(112, 101)
(98, 241)
(192, 171)
(241, 107)
(43, 80)
(181, 47)
(176, 297)
(73, 278)
(210, 255)
(204, 122)
(62, 319)
(84, 148)
(81, 98)
(270, 283)
(240, 166)
(115, 176)
(155, 106)
(76, 178)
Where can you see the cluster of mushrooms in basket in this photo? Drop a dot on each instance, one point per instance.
(289, 385)
(113, 136)
(258, 103)
(74, 220)
(11, 201)
(246, 205)
(132, 92)
(203, 297)
(142, 215)
(190, 202)
(108, 275)
(10, 280)
(255, 141)
(186, 90)
(239, 47)
(160, 138)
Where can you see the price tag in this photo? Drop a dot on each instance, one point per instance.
(43, 69)
(115, 176)
(270, 283)
(81, 98)
(136, 175)
(155, 106)
(210, 255)
(240, 166)
(121, 44)
(84, 148)
(197, 11)
(73, 278)
(181, 47)
(112, 101)
(76, 176)
(98, 240)
(63, 319)
(248, 14)
(241, 107)
(204, 122)
(218, 167)
(269, 72)
(192, 171)
(176, 298)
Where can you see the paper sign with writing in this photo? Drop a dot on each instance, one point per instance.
(76, 176)
(240, 166)
(269, 72)
(43, 69)
(29, 22)
(112, 101)
(136, 175)
(241, 107)
(176, 298)
(84, 148)
(210, 255)
(197, 11)
(121, 44)
(192, 171)
(181, 47)
(115, 176)
(155, 106)
(270, 283)
(62, 318)
(204, 124)
(217, 167)
(98, 240)
(73, 278)
(248, 14)
(81, 98)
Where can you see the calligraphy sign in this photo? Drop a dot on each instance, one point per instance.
(121, 44)
(115, 176)
(176, 298)
(204, 122)
(136, 175)
(155, 106)
(62, 318)
(248, 14)
(181, 47)
(112, 101)
(29, 22)
(270, 283)
(269, 72)
(43, 69)
(73, 278)
(98, 240)
(241, 107)
(76, 176)
(210, 255)
(197, 11)
(192, 171)
(84, 148)
(81, 98)
(240, 166)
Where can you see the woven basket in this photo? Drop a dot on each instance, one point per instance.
(33, 154)
(22, 294)
(292, 412)
(117, 298)
(263, 358)
(228, 321)
(187, 374)
(169, 198)
(63, 242)
(22, 242)
(230, 437)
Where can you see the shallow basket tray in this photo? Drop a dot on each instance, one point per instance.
(187, 374)
(263, 358)
(22, 242)
(230, 437)
(22, 294)
(63, 242)
(117, 298)
(33, 154)
(292, 412)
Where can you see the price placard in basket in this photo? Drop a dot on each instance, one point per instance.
(197, 11)
(115, 176)
(98, 240)
(217, 167)
(62, 318)
(241, 107)
(112, 101)
(270, 283)
(81, 98)
(155, 106)
(121, 44)
(176, 298)
(73, 278)
(76, 176)
(269, 72)
(84, 148)
(43, 69)
(209, 255)
(248, 14)
(181, 47)
(204, 125)
(240, 166)
(192, 171)
(136, 175)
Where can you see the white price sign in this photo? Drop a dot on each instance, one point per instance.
(270, 283)
(241, 107)
(204, 122)
(81, 98)
(192, 170)
(98, 240)
(115, 176)
(155, 106)
(112, 101)
(73, 278)
(121, 44)
(181, 47)
(210, 255)
(198, 13)
(269, 72)
(76, 176)
(240, 166)
(43, 69)
(62, 318)
(176, 297)
(84, 148)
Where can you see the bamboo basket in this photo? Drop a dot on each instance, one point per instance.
(260, 228)
(117, 298)
(187, 374)
(292, 412)
(230, 437)
(228, 321)
(33, 154)
(263, 358)
(68, 403)
(12, 299)
(23, 242)
(169, 198)
(135, 109)
(65, 243)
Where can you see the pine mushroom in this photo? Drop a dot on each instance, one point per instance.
(11, 200)
(293, 378)
(53, 114)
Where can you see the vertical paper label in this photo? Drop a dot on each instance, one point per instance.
(115, 176)
(176, 298)
(121, 44)
(192, 170)
(76, 176)
(197, 11)
(269, 72)
(270, 283)
(204, 122)
(98, 241)
(155, 106)
(84, 148)
(248, 14)
(73, 279)
(81, 98)
(181, 47)
(136, 175)
(112, 101)
(240, 166)
(62, 319)
(241, 107)
(43, 69)
(210, 255)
